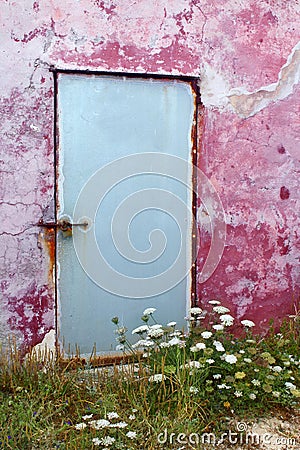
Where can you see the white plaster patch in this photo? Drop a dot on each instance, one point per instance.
(214, 89)
(46, 348)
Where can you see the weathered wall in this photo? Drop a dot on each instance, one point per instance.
(246, 54)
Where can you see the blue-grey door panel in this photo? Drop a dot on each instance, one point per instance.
(101, 121)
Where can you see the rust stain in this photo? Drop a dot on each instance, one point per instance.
(99, 361)
(47, 237)
(196, 136)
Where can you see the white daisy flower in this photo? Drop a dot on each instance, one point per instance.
(255, 382)
(171, 324)
(276, 394)
(276, 368)
(210, 361)
(248, 360)
(214, 302)
(231, 359)
(252, 396)
(290, 386)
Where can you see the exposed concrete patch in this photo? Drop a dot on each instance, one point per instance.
(250, 103)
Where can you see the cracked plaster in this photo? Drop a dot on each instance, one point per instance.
(246, 54)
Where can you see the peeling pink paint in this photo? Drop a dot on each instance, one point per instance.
(253, 160)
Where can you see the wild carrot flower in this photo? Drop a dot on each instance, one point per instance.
(156, 333)
(112, 415)
(238, 393)
(195, 311)
(80, 426)
(206, 334)
(192, 365)
(194, 349)
(214, 302)
(220, 309)
(149, 311)
(87, 416)
(107, 440)
(98, 424)
(118, 425)
(194, 390)
(248, 323)
(140, 330)
(218, 327)
(219, 346)
(131, 434)
(226, 320)
(200, 345)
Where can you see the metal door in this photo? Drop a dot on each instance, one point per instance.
(118, 140)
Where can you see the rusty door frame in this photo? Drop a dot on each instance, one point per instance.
(196, 135)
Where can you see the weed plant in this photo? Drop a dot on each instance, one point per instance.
(191, 383)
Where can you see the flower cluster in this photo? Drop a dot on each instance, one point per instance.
(110, 428)
(211, 360)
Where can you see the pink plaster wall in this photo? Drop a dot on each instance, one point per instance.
(246, 54)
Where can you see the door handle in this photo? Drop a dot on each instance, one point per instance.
(63, 225)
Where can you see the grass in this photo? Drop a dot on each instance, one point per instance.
(192, 384)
